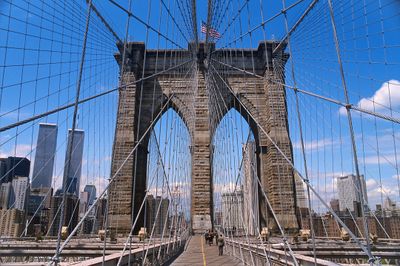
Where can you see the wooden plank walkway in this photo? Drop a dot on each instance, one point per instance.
(198, 253)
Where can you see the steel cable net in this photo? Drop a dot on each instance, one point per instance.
(102, 104)
(332, 48)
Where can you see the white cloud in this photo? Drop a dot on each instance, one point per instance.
(375, 190)
(388, 95)
(21, 150)
(226, 188)
(315, 144)
(381, 159)
(396, 177)
(370, 183)
(377, 193)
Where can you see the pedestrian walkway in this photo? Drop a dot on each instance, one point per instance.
(199, 253)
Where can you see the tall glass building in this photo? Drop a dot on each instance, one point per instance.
(73, 176)
(91, 190)
(350, 194)
(44, 159)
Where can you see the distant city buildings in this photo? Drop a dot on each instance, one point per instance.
(14, 182)
(335, 205)
(75, 165)
(218, 218)
(325, 225)
(5, 189)
(94, 219)
(232, 211)
(91, 190)
(250, 188)
(384, 222)
(70, 218)
(390, 208)
(301, 198)
(18, 193)
(83, 202)
(83, 207)
(44, 157)
(13, 166)
(156, 205)
(14, 188)
(39, 204)
(349, 192)
(11, 223)
(22, 202)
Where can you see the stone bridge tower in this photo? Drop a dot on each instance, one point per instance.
(262, 103)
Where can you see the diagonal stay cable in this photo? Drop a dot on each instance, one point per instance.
(173, 20)
(70, 143)
(351, 131)
(145, 23)
(10, 126)
(234, 18)
(142, 204)
(295, 169)
(315, 95)
(306, 170)
(194, 22)
(208, 26)
(294, 27)
(165, 177)
(112, 179)
(184, 15)
(284, 238)
(106, 24)
(262, 24)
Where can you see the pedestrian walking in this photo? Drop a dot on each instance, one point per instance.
(221, 244)
(210, 238)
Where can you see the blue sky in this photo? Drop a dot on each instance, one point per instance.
(40, 49)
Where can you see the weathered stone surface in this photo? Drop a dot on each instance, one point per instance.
(262, 104)
(120, 192)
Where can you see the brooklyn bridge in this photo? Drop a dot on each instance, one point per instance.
(184, 132)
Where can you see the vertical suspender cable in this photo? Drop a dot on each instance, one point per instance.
(300, 132)
(353, 142)
(71, 139)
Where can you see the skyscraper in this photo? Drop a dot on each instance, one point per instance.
(350, 194)
(11, 223)
(71, 213)
(3, 170)
(18, 192)
(17, 175)
(301, 197)
(44, 158)
(250, 188)
(156, 205)
(14, 166)
(5, 189)
(83, 202)
(91, 189)
(232, 211)
(38, 207)
(75, 165)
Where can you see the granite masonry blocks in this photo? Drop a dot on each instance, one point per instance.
(263, 100)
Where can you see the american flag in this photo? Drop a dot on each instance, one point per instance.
(213, 33)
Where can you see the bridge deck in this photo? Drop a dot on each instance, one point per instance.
(200, 253)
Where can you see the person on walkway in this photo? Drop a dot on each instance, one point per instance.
(206, 236)
(221, 244)
(210, 237)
